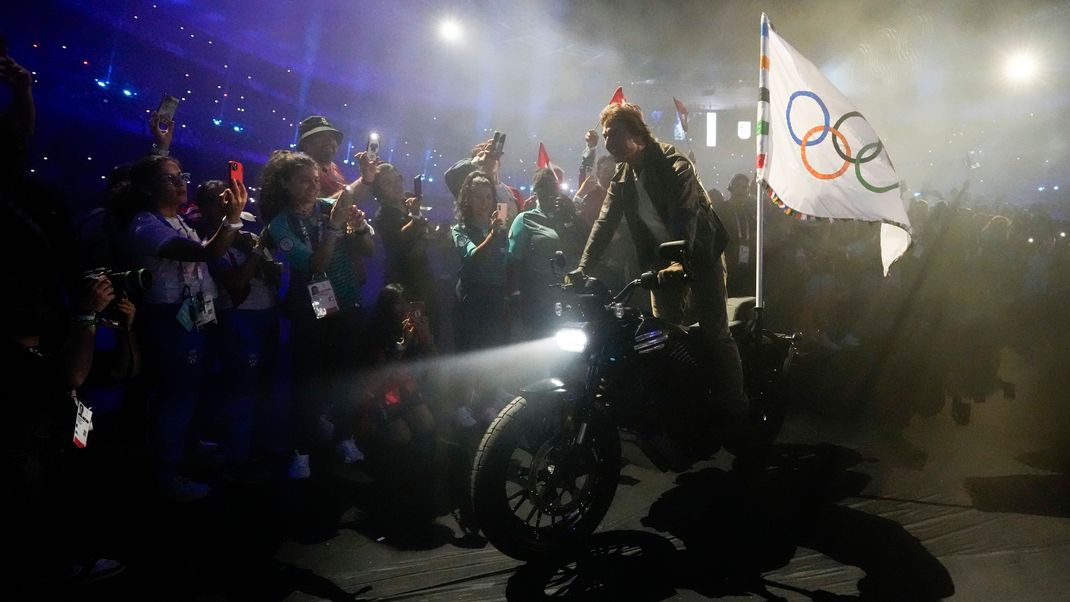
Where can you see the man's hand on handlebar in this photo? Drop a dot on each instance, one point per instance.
(576, 276)
(675, 273)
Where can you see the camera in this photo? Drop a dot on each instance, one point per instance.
(123, 281)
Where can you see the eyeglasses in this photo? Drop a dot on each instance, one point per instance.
(179, 179)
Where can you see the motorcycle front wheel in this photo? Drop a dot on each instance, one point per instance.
(535, 491)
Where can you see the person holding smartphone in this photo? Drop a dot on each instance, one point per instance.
(178, 309)
(404, 235)
(480, 238)
(323, 297)
(480, 319)
(486, 157)
(248, 279)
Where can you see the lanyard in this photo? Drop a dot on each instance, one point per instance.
(185, 232)
(298, 223)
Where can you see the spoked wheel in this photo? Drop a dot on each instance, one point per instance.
(537, 492)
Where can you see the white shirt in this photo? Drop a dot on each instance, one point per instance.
(650, 216)
(147, 234)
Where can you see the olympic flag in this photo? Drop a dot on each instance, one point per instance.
(817, 155)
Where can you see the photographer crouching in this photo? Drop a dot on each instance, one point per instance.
(48, 478)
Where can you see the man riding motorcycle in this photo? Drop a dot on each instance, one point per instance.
(656, 189)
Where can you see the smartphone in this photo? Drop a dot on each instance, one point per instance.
(418, 186)
(498, 144)
(166, 111)
(503, 213)
(237, 171)
(373, 147)
(416, 309)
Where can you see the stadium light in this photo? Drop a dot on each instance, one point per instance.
(1020, 67)
(450, 30)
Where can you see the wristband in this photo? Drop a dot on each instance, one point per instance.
(232, 226)
(89, 320)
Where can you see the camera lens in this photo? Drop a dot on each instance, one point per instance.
(133, 280)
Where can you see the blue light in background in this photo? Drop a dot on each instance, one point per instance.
(217, 122)
(128, 93)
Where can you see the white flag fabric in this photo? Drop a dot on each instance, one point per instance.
(817, 154)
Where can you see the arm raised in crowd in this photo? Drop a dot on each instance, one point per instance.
(162, 133)
(361, 187)
(21, 114)
(181, 249)
(344, 209)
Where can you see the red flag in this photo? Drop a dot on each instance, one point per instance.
(618, 97)
(681, 110)
(544, 157)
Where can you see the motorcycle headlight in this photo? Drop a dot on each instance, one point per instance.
(571, 339)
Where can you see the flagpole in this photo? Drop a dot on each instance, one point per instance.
(761, 137)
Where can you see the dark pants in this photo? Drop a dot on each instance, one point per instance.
(248, 343)
(325, 357)
(704, 300)
(175, 365)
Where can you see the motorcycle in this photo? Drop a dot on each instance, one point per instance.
(546, 470)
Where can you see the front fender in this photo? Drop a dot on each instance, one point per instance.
(549, 389)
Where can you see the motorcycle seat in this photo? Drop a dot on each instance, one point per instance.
(740, 309)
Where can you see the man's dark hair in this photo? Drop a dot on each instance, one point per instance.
(629, 117)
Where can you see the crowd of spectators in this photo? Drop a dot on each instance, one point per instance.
(257, 350)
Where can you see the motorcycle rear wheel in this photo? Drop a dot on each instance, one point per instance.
(535, 494)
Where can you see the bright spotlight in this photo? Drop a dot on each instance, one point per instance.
(450, 30)
(1021, 67)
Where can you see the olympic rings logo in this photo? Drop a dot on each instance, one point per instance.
(873, 149)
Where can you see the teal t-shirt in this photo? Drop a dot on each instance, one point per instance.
(297, 237)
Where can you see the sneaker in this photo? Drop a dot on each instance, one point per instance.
(348, 451)
(463, 418)
(299, 468)
(181, 490)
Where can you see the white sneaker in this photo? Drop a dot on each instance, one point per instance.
(299, 468)
(463, 418)
(348, 451)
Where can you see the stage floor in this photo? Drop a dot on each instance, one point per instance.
(974, 512)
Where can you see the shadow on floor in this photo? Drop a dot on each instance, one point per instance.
(733, 530)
